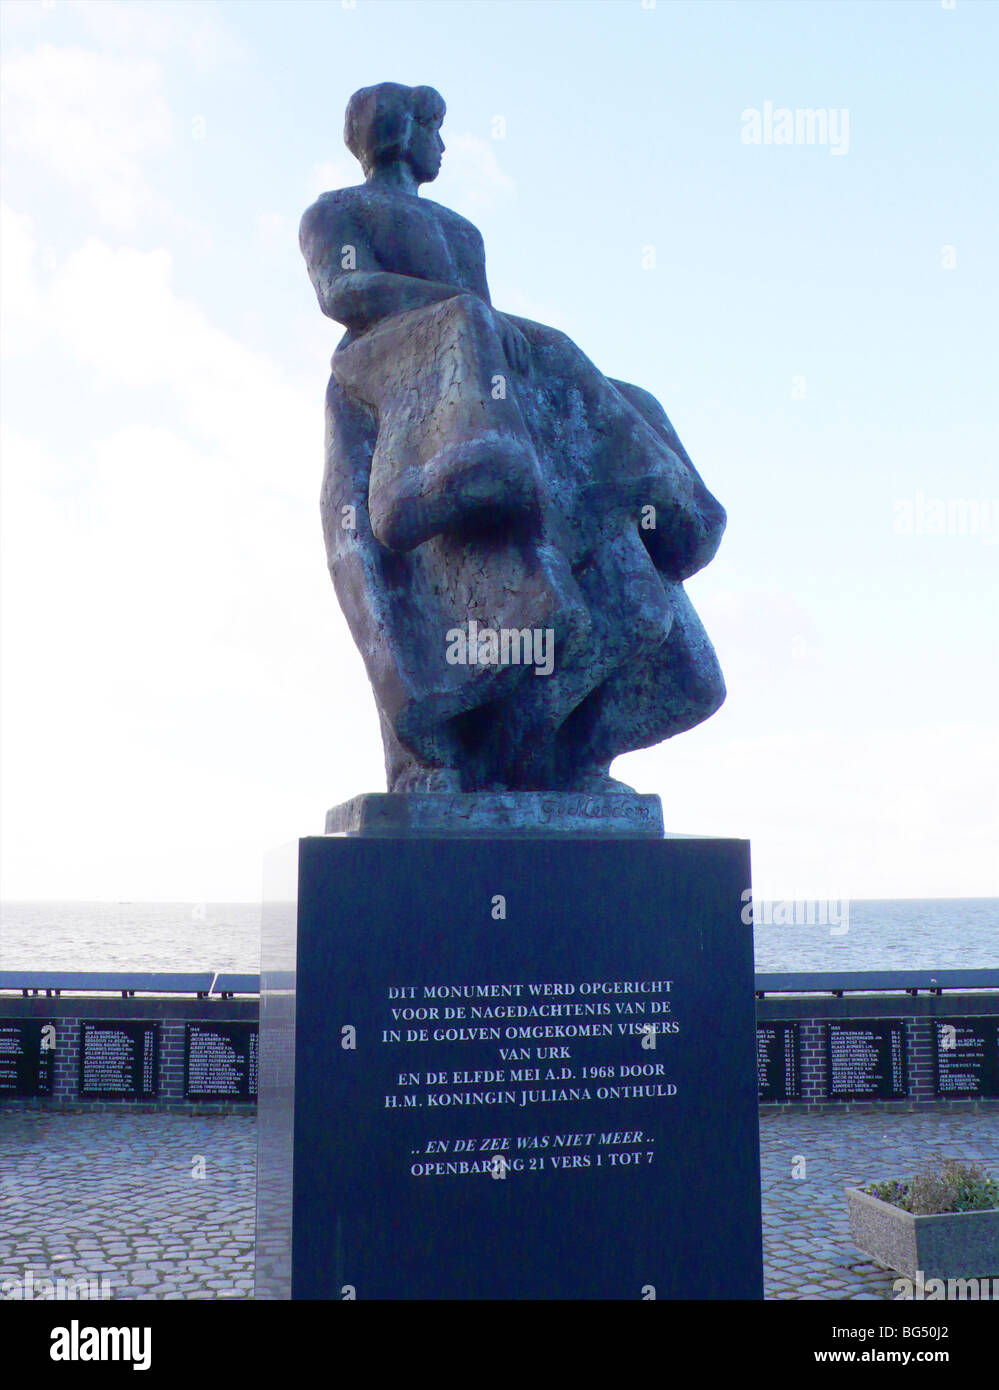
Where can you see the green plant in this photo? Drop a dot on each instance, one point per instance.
(941, 1185)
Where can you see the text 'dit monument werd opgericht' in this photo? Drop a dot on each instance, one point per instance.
(507, 1026)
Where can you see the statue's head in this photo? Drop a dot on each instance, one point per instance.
(390, 122)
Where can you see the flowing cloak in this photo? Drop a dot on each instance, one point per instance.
(555, 500)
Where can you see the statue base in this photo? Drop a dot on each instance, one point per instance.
(508, 1069)
(499, 815)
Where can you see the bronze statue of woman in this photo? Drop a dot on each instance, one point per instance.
(486, 487)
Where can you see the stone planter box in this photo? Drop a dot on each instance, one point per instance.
(953, 1245)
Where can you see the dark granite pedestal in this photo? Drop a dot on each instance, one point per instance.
(509, 1068)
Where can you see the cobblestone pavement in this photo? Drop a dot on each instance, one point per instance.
(807, 1250)
(121, 1197)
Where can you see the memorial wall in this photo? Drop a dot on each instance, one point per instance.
(153, 1053)
(886, 1050)
(101, 1054)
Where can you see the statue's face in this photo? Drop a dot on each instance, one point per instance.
(424, 149)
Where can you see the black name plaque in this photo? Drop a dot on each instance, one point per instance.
(119, 1059)
(967, 1057)
(27, 1056)
(866, 1060)
(220, 1061)
(778, 1061)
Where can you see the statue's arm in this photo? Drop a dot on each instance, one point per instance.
(347, 279)
(353, 289)
(360, 298)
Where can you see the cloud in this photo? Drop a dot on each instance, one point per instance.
(171, 641)
(92, 121)
(196, 30)
(115, 311)
(20, 329)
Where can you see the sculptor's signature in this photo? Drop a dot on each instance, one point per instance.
(595, 808)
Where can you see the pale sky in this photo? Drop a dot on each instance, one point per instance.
(179, 689)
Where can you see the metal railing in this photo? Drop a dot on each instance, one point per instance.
(224, 985)
(840, 982)
(204, 984)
